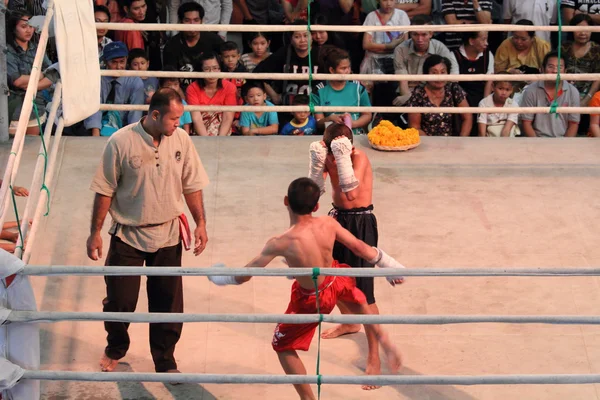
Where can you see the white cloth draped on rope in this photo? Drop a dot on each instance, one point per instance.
(77, 46)
(19, 343)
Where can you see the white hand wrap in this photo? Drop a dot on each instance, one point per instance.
(342, 151)
(383, 260)
(316, 166)
(220, 280)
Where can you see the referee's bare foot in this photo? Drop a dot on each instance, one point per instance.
(340, 330)
(107, 364)
(174, 371)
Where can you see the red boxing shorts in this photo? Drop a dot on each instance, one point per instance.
(303, 301)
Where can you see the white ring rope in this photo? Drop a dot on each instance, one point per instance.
(120, 26)
(60, 316)
(463, 380)
(353, 77)
(54, 270)
(391, 109)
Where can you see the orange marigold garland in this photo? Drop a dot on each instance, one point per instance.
(387, 134)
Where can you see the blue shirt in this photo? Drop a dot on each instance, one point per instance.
(352, 94)
(129, 90)
(309, 127)
(248, 119)
(186, 118)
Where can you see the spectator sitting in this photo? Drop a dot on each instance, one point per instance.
(341, 93)
(121, 90)
(259, 43)
(522, 53)
(217, 12)
(321, 38)
(539, 14)
(183, 51)
(112, 6)
(138, 61)
(414, 7)
(185, 121)
(458, 12)
(594, 128)
(102, 15)
(303, 123)
(260, 122)
(541, 93)
(410, 56)
(379, 46)
(135, 12)
(20, 54)
(439, 94)
(473, 57)
(230, 57)
(295, 10)
(289, 59)
(583, 57)
(499, 124)
(211, 92)
(571, 8)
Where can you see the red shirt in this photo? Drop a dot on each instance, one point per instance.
(132, 39)
(225, 95)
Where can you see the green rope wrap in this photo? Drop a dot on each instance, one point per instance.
(315, 275)
(554, 104)
(311, 103)
(12, 192)
(45, 155)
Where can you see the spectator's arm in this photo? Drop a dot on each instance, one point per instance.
(483, 16)
(487, 90)
(467, 120)
(482, 129)
(588, 96)
(572, 129)
(383, 48)
(423, 7)
(567, 14)
(508, 125)
(414, 121)
(225, 128)
(226, 11)
(137, 96)
(594, 129)
(363, 120)
(528, 128)
(23, 81)
(198, 123)
(501, 61)
(94, 121)
(186, 128)
(245, 11)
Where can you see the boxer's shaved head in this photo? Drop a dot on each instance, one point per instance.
(336, 130)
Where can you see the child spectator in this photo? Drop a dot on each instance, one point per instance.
(259, 43)
(303, 123)
(499, 124)
(185, 121)
(230, 57)
(138, 61)
(341, 93)
(257, 123)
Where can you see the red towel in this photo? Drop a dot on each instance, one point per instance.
(184, 232)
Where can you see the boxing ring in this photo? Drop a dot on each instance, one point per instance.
(512, 223)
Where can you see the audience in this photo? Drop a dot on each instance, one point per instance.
(439, 94)
(211, 92)
(183, 51)
(499, 124)
(21, 47)
(522, 53)
(260, 122)
(374, 52)
(121, 90)
(541, 93)
(185, 121)
(341, 93)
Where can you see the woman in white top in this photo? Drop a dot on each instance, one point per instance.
(379, 46)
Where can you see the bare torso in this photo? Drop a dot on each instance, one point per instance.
(363, 171)
(308, 244)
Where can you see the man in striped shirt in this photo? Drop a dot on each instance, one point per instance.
(464, 12)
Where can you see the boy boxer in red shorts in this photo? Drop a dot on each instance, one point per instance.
(309, 243)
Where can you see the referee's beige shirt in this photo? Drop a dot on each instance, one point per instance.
(146, 184)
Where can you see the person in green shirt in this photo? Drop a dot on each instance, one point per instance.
(340, 93)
